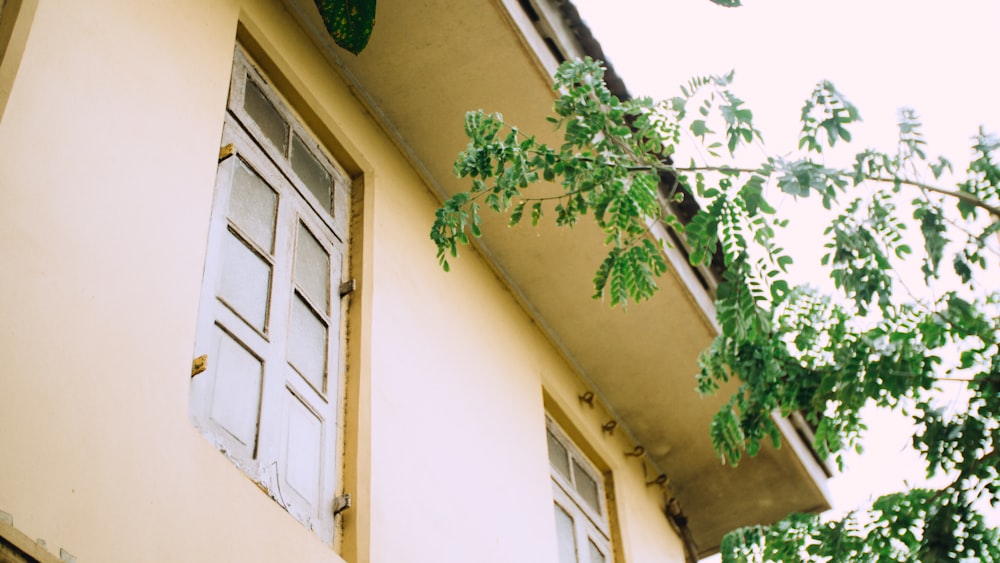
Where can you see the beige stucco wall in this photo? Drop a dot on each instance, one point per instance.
(108, 151)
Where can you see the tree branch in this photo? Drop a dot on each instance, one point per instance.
(966, 197)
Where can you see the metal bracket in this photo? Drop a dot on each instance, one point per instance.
(660, 480)
(226, 152)
(348, 287)
(199, 364)
(341, 503)
(638, 451)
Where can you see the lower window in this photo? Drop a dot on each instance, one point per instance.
(581, 512)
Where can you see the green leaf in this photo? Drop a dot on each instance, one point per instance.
(699, 128)
(515, 215)
(536, 213)
(349, 22)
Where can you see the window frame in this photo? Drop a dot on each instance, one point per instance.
(590, 524)
(282, 395)
(15, 543)
(16, 18)
(341, 195)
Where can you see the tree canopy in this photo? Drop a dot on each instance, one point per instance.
(883, 337)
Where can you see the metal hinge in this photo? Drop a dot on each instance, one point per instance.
(348, 287)
(341, 503)
(226, 152)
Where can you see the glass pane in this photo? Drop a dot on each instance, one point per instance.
(307, 343)
(246, 281)
(267, 118)
(303, 462)
(558, 457)
(236, 394)
(587, 487)
(312, 268)
(311, 172)
(252, 206)
(565, 536)
(595, 554)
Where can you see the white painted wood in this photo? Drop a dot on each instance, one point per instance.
(579, 493)
(558, 456)
(252, 206)
(236, 395)
(303, 455)
(312, 268)
(587, 537)
(586, 486)
(246, 281)
(307, 343)
(565, 535)
(334, 213)
(270, 314)
(595, 552)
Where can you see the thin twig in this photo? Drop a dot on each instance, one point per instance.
(964, 196)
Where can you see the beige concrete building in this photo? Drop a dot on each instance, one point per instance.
(222, 315)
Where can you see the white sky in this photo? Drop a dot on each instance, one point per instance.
(939, 58)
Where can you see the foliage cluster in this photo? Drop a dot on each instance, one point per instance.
(879, 339)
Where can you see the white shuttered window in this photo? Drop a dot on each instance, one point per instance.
(581, 512)
(270, 315)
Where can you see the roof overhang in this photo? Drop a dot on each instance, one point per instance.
(430, 61)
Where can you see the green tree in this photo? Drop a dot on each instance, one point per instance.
(877, 339)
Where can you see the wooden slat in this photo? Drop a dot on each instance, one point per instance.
(16, 547)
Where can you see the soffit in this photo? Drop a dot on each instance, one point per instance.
(430, 61)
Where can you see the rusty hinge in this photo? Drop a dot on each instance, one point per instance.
(199, 365)
(226, 152)
(341, 503)
(348, 287)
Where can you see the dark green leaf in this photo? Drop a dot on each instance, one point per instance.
(349, 22)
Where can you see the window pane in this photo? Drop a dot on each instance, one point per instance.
(246, 280)
(558, 456)
(312, 173)
(267, 118)
(307, 344)
(303, 462)
(236, 395)
(595, 554)
(565, 536)
(312, 268)
(252, 206)
(587, 487)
